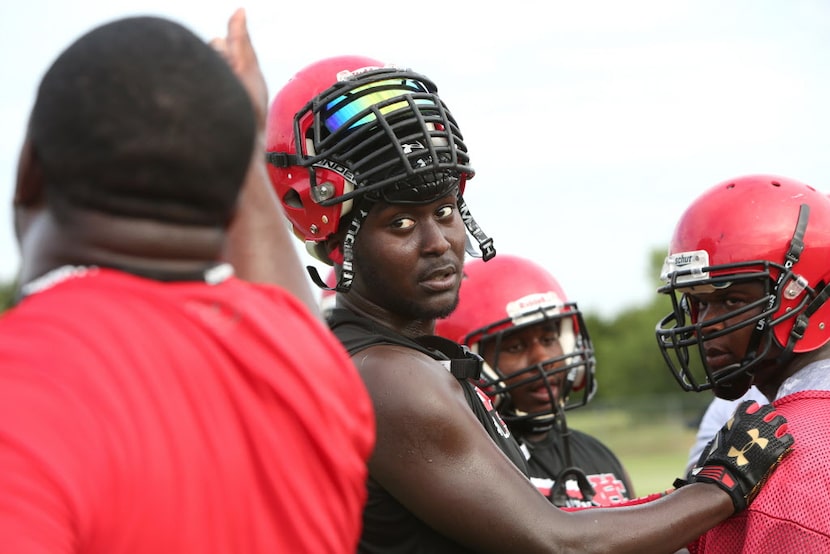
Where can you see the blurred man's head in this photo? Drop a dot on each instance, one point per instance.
(140, 118)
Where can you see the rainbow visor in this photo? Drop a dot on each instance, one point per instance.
(354, 108)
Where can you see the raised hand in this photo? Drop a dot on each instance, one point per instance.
(259, 245)
(238, 50)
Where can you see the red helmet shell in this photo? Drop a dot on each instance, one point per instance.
(753, 218)
(311, 221)
(510, 293)
(492, 292)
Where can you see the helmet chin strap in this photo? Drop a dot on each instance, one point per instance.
(486, 250)
(316, 279)
(791, 258)
(344, 282)
(558, 492)
(800, 326)
(533, 425)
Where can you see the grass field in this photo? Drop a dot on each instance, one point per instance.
(653, 448)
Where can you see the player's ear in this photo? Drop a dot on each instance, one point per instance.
(28, 190)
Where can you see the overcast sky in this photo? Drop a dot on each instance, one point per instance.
(591, 124)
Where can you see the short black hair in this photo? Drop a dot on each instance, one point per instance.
(141, 118)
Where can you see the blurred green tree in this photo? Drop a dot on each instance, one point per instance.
(628, 360)
(7, 294)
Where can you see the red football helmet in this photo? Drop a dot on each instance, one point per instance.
(349, 129)
(511, 293)
(757, 227)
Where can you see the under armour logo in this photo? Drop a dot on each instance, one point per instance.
(740, 459)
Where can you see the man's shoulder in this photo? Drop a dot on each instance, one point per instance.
(398, 361)
(358, 333)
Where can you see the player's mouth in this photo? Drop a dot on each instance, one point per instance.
(441, 279)
(718, 359)
(541, 394)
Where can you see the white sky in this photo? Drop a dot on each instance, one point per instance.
(591, 124)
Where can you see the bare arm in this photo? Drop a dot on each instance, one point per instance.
(260, 245)
(437, 460)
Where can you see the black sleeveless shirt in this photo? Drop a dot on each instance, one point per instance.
(388, 527)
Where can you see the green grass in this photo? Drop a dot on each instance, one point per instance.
(652, 448)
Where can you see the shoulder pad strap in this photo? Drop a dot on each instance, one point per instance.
(464, 364)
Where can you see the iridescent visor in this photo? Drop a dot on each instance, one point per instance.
(344, 109)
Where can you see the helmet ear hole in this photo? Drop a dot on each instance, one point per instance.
(292, 199)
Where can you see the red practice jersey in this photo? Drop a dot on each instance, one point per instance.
(146, 417)
(791, 512)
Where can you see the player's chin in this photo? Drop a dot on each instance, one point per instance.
(733, 388)
(441, 313)
(535, 406)
(441, 305)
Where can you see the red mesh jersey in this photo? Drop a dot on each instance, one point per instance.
(791, 514)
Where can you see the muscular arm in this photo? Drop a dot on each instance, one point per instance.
(437, 460)
(260, 245)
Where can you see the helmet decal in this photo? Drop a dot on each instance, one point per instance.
(533, 306)
(688, 266)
